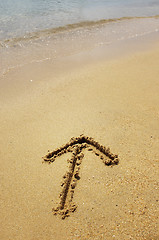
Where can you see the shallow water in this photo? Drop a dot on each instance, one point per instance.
(20, 17)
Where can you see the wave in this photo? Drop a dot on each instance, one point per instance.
(68, 27)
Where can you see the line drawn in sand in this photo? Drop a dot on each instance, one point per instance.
(76, 146)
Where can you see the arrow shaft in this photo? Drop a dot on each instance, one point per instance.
(69, 177)
(68, 182)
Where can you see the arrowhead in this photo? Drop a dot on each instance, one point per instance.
(84, 142)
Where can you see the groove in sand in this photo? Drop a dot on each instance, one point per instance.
(76, 145)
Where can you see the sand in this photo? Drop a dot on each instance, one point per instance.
(116, 102)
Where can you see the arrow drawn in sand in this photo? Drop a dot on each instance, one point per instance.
(76, 146)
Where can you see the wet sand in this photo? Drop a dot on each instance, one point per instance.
(116, 102)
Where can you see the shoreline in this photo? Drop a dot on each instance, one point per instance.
(26, 81)
(68, 27)
(115, 102)
(47, 50)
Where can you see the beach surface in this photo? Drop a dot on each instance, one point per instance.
(114, 101)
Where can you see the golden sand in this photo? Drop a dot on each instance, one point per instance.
(115, 102)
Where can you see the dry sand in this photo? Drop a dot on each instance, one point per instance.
(117, 103)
